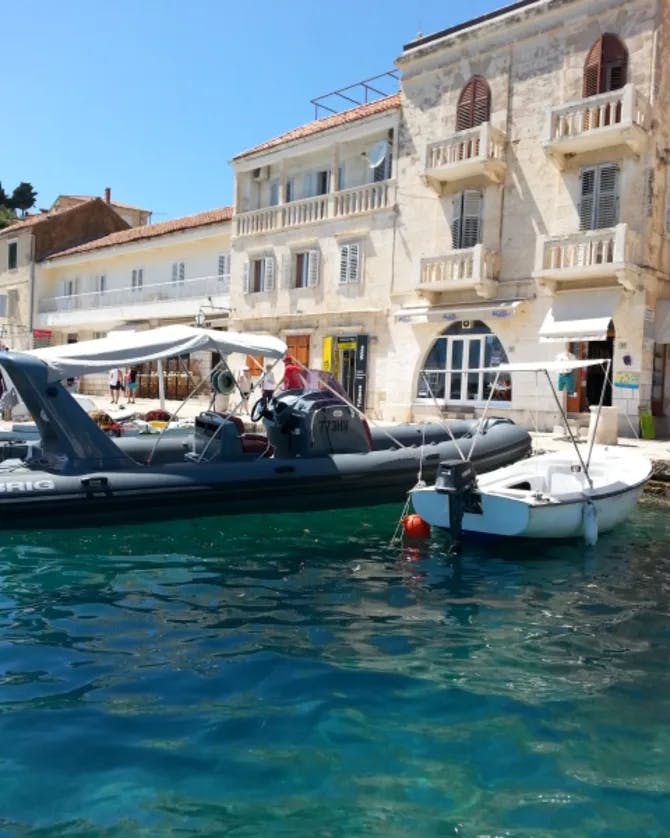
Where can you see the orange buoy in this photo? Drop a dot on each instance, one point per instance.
(413, 526)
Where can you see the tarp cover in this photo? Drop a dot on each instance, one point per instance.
(127, 349)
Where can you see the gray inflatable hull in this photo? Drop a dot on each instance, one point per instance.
(30, 498)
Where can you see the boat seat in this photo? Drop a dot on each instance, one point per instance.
(222, 436)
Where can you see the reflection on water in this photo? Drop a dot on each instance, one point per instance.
(301, 675)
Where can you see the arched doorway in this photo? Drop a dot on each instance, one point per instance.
(452, 371)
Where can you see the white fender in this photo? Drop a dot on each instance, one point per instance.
(590, 523)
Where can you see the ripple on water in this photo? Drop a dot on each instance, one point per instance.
(288, 675)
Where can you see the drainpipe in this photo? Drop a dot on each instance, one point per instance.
(31, 293)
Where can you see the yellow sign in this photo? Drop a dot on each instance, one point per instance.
(327, 354)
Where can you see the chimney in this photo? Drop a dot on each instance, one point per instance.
(108, 195)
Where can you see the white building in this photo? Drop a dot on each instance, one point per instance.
(315, 214)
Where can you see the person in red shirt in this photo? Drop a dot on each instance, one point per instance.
(292, 380)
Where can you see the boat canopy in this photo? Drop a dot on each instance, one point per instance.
(127, 349)
(544, 366)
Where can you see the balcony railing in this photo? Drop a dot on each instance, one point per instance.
(373, 196)
(138, 295)
(478, 151)
(473, 267)
(619, 117)
(358, 200)
(613, 252)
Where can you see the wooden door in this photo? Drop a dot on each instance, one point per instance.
(298, 348)
(576, 401)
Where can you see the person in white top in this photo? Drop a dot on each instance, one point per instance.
(115, 379)
(244, 384)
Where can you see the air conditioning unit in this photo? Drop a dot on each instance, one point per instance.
(261, 173)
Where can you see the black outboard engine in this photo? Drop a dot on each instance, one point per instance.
(314, 423)
(457, 479)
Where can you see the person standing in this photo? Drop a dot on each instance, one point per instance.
(114, 378)
(131, 384)
(244, 386)
(293, 379)
(269, 383)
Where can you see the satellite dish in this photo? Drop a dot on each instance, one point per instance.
(377, 154)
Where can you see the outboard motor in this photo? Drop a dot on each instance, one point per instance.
(457, 479)
(313, 424)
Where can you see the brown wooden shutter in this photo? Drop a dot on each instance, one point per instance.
(474, 104)
(605, 67)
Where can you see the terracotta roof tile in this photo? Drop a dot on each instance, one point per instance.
(319, 125)
(151, 231)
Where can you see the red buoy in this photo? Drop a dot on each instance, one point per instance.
(413, 526)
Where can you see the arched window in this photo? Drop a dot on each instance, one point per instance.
(606, 66)
(474, 104)
(452, 369)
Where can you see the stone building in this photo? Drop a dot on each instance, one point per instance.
(532, 194)
(24, 245)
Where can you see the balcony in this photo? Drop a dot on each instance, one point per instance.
(475, 153)
(345, 203)
(158, 298)
(590, 256)
(473, 268)
(620, 118)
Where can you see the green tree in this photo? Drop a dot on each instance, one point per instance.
(23, 197)
(7, 216)
(4, 197)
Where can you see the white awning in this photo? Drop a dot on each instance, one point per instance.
(126, 349)
(662, 322)
(450, 314)
(580, 315)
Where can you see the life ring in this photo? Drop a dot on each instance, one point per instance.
(223, 382)
(258, 411)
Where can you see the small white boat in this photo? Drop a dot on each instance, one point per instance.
(582, 492)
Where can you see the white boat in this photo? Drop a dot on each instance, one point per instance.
(585, 491)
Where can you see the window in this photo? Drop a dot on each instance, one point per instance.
(12, 255)
(599, 197)
(382, 171)
(259, 275)
(474, 104)
(101, 283)
(452, 370)
(606, 66)
(223, 272)
(290, 189)
(304, 269)
(466, 214)
(71, 287)
(315, 183)
(178, 272)
(137, 278)
(274, 193)
(350, 263)
(13, 303)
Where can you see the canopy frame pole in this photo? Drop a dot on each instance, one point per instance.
(564, 416)
(608, 363)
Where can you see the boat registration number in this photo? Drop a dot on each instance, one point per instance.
(26, 486)
(334, 425)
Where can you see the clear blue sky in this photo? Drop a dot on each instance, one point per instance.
(153, 97)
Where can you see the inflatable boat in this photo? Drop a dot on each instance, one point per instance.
(317, 453)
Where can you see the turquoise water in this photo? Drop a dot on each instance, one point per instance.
(302, 676)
